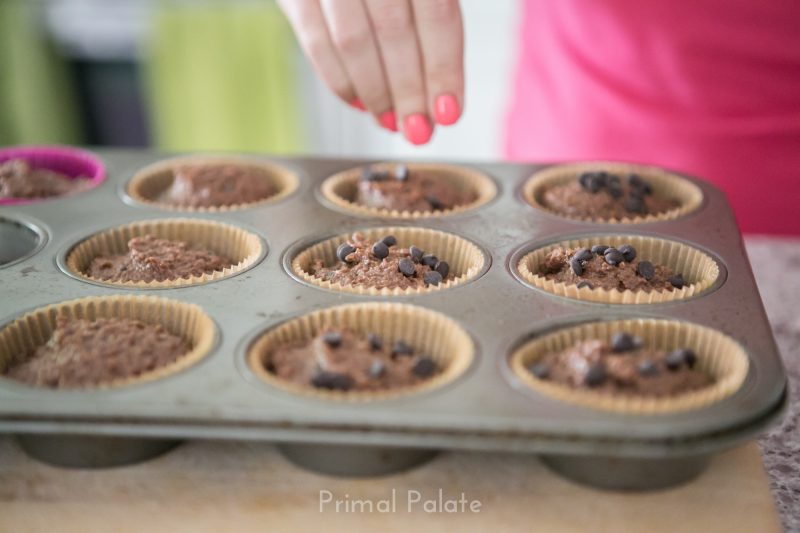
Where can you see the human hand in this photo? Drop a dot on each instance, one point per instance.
(397, 59)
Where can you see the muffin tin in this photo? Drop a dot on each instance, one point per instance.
(485, 408)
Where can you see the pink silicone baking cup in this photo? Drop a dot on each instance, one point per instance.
(68, 161)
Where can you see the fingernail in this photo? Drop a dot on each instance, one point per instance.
(388, 120)
(358, 104)
(446, 109)
(417, 128)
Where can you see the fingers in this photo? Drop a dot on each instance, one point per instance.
(441, 38)
(351, 32)
(393, 24)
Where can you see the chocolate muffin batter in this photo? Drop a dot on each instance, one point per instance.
(153, 259)
(608, 268)
(382, 264)
(216, 186)
(83, 353)
(606, 196)
(406, 190)
(18, 179)
(623, 366)
(339, 359)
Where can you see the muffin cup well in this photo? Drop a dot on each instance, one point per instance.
(242, 247)
(341, 188)
(466, 259)
(23, 335)
(720, 356)
(699, 270)
(665, 184)
(430, 332)
(70, 162)
(151, 182)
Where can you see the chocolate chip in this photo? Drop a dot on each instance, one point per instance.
(591, 181)
(622, 342)
(406, 266)
(599, 249)
(380, 250)
(432, 278)
(576, 266)
(443, 268)
(584, 254)
(424, 367)
(646, 270)
(429, 260)
(647, 368)
(634, 204)
(375, 342)
(638, 185)
(540, 370)
(690, 357)
(401, 173)
(628, 252)
(613, 256)
(401, 348)
(389, 240)
(436, 205)
(677, 281)
(596, 375)
(332, 381)
(416, 253)
(677, 358)
(615, 188)
(344, 250)
(332, 338)
(377, 368)
(584, 283)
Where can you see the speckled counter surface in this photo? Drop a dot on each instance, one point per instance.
(776, 264)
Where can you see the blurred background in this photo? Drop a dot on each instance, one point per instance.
(215, 75)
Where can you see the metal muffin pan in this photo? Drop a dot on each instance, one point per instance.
(484, 409)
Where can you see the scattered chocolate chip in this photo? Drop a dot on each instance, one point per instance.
(344, 250)
(584, 254)
(540, 370)
(646, 270)
(436, 205)
(584, 283)
(592, 181)
(677, 281)
(424, 367)
(389, 240)
(377, 368)
(628, 252)
(332, 338)
(576, 266)
(596, 375)
(443, 268)
(380, 250)
(432, 278)
(401, 348)
(401, 173)
(615, 187)
(613, 256)
(622, 342)
(638, 185)
(429, 260)
(599, 249)
(332, 381)
(416, 253)
(375, 342)
(690, 357)
(647, 368)
(676, 358)
(634, 204)
(406, 266)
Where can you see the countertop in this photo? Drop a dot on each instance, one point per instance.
(776, 265)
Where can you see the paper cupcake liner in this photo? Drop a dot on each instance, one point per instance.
(22, 336)
(665, 184)
(466, 260)
(427, 331)
(242, 247)
(148, 184)
(340, 189)
(699, 270)
(68, 161)
(718, 355)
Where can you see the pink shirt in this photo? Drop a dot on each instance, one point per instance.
(709, 87)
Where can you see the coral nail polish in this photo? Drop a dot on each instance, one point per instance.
(358, 104)
(417, 128)
(446, 109)
(388, 120)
